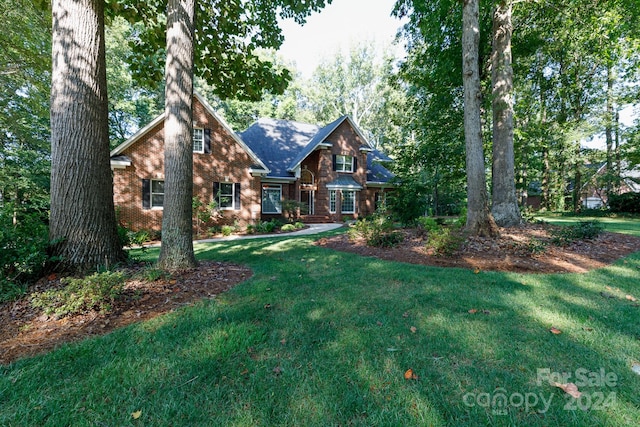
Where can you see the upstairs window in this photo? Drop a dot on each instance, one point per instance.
(343, 163)
(198, 140)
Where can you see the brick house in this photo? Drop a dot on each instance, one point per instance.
(332, 171)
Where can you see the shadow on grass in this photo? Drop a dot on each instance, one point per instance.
(318, 337)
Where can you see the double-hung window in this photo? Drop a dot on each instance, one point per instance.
(157, 193)
(225, 195)
(271, 199)
(344, 163)
(198, 140)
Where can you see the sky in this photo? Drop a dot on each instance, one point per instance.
(338, 27)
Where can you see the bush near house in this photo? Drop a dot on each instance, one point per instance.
(625, 203)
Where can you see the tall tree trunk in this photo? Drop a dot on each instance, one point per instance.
(177, 232)
(479, 219)
(83, 222)
(577, 181)
(546, 179)
(504, 200)
(610, 180)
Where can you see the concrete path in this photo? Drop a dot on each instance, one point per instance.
(313, 229)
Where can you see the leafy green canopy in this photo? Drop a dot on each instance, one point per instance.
(228, 35)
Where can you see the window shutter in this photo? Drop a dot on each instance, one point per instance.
(146, 194)
(355, 164)
(216, 189)
(207, 141)
(236, 196)
(334, 163)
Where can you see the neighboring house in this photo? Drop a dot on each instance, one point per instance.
(332, 171)
(594, 196)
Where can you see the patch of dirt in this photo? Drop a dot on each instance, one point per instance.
(26, 331)
(527, 249)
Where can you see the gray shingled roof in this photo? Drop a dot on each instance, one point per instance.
(278, 142)
(282, 145)
(376, 172)
(344, 181)
(319, 137)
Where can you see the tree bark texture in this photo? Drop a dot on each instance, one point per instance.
(504, 207)
(177, 233)
(83, 223)
(479, 220)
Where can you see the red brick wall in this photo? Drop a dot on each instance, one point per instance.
(227, 162)
(345, 141)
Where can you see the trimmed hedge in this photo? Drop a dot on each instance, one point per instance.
(625, 203)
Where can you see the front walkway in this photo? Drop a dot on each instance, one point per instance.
(312, 229)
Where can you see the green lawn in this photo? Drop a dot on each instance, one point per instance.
(617, 225)
(323, 338)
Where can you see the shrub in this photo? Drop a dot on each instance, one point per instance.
(23, 252)
(288, 227)
(79, 295)
(298, 225)
(227, 230)
(625, 203)
(267, 226)
(443, 242)
(583, 230)
(139, 237)
(377, 232)
(292, 209)
(427, 223)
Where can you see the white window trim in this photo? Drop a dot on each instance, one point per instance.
(342, 199)
(271, 187)
(333, 199)
(233, 196)
(151, 194)
(193, 143)
(344, 163)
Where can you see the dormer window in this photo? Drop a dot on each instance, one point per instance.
(344, 163)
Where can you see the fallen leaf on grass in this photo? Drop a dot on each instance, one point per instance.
(631, 298)
(413, 329)
(405, 314)
(473, 311)
(570, 388)
(410, 375)
(136, 415)
(476, 271)
(555, 331)
(277, 370)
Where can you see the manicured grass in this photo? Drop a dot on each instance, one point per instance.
(614, 224)
(323, 338)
